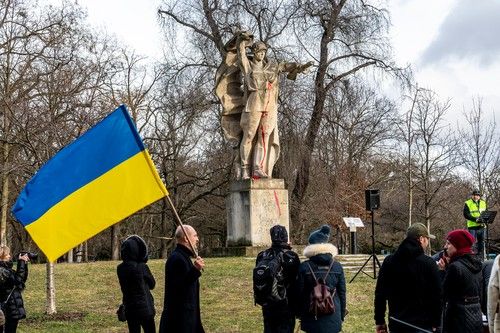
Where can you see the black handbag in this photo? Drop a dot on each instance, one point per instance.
(120, 313)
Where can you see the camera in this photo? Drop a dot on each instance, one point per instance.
(31, 255)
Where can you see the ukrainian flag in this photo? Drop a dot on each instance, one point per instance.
(101, 178)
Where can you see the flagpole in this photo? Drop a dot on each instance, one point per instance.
(179, 223)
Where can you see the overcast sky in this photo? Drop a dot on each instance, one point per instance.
(453, 47)
(451, 44)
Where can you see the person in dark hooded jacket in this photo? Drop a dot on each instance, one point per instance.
(321, 260)
(279, 317)
(136, 283)
(410, 283)
(462, 285)
(12, 283)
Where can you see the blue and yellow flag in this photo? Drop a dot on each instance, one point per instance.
(101, 178)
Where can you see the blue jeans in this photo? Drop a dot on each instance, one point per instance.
(478, 234)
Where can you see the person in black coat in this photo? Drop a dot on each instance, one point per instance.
(136, 283)
(12, 283)
(462, 285)
(410, 283)
(181, 309)
(321, 260)
(279, 317)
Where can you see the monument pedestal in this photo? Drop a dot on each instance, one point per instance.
(253, 207)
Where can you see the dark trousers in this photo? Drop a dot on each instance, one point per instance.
(283, 324)
(10, 326)
(479, 236)
(148, 325)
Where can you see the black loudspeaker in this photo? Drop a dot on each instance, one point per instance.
(372, 199)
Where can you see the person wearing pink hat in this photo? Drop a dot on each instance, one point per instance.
(462, 285)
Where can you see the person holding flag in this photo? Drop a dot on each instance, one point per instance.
(181, 309)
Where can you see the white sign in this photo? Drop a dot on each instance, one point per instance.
(353, 222)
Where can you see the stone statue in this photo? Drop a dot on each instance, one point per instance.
(248, 86)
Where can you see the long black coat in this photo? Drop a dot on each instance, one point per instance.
(462, 288)
(136, 279)
(410, 283)
(181, 309)
(13, 281)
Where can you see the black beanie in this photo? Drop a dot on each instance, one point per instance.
(279, 235)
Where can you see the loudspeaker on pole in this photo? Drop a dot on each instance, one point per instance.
(372, 199)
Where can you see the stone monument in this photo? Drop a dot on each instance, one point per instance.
(247, 85)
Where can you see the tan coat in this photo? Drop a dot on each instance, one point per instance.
(494, 298)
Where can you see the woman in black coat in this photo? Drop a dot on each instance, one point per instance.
(462, 285)
(12, 283)
(136, 281)
(321, 255)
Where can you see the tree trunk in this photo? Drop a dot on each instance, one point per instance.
(5, 196)
(86, 251)
(115, 243)
(302, 178)
(79, 253)
(70, 256)
(51, 290)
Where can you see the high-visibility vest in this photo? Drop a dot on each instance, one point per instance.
(475, 210)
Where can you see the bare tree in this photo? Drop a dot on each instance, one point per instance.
(344, 37)
(480, 144)
(352, 143)
(28, 42)
(132, 84)
(435, 154)
(183, 146)
(407, 133)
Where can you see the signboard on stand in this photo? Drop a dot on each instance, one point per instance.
(352, 223)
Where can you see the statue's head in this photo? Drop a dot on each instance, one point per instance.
(259, 46)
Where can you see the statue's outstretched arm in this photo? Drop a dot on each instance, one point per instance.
(293, 68)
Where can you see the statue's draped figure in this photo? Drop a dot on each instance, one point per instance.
(247, 85)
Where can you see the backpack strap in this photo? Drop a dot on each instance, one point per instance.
(328, 271)
(312, 272)
(326, 274)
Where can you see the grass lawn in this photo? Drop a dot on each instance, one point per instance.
(87, 296)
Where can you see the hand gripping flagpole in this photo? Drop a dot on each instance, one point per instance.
(179, 223)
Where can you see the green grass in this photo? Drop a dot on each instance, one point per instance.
(87, 296)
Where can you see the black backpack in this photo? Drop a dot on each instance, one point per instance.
(268, 278)
(321, 298)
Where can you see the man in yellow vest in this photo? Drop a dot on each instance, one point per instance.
(472, 210)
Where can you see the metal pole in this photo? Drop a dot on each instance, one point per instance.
(353, 242)
(410, 325)
(373, 246)
(486, 242)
